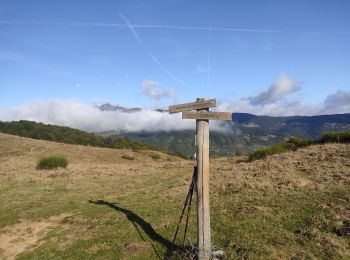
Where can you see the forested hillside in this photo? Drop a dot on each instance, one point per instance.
(63, 134)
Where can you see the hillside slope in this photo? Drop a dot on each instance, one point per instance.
(292, 205)
(68, 135)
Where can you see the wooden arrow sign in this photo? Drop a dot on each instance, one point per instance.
(192, 106)
(206, 115)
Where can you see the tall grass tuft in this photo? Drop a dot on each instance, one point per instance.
(51, 162)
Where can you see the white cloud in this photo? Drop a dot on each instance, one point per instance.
(280, 88)
(76, 114)
(276, 101)
(338, 102)
(150, 89)
(284, 108)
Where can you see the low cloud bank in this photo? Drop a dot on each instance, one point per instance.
(76, 114)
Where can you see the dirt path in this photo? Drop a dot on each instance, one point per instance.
(25, 235)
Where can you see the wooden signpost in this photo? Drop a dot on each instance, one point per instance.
(201, 103)
(202, 116)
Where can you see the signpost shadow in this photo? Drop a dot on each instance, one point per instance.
(137, 221)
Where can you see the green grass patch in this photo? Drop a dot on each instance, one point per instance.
(7, 218)
(52, 162)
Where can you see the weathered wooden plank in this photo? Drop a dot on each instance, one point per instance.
(192, 106)
(203, 207)
(206, 115)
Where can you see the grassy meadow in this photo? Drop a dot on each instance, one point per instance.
(105, 205)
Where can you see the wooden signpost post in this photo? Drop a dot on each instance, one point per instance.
(202, 116)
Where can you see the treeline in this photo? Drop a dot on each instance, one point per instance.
(335, 137)
(294, 143)
(63, 134)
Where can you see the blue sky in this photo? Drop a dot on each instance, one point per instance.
(156, 53)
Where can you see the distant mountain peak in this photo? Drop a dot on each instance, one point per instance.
(109, 107)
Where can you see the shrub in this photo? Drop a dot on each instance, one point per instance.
(155, 156)
(128, 157)
(262, 153)
(292, 144)
(51, 162)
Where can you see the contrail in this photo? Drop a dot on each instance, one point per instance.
(208, 61)
(173, 27)
(154, 58)
(92, 24)
(131, 28)
(156, 61)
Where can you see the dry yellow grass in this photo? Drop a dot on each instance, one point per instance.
(313, 168)
(294, 204)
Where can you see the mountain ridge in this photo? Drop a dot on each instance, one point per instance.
(247, 133)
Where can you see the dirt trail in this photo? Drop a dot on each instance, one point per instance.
(25, 235)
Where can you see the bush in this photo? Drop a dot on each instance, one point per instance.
(51, 162)
(155, 156)
(262, 153)
(292, 144)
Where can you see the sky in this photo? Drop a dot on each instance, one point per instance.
(267, 57)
